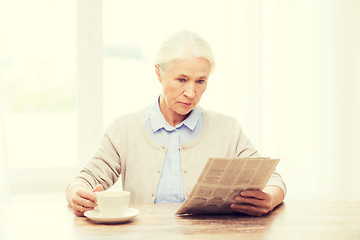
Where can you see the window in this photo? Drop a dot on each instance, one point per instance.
(38, 72)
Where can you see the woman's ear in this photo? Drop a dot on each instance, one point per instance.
(158, 72)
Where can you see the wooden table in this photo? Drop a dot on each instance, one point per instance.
(52, 219)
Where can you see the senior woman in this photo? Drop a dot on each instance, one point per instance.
(160, 151)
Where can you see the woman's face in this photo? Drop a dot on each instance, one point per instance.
(183, 82)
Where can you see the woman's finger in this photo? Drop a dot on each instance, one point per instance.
(254, 194)
(82, 209)
(248, 209)
(84, 202)
(86, 194)
(98, 188)
(253, 201)
(78, 213)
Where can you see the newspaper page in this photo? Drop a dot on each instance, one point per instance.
(224, 178)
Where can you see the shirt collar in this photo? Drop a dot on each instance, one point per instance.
(158, 121)
(193, 118)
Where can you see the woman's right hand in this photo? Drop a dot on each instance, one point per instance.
(83, 199)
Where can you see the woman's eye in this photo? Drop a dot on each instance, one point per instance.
(200, 81)
(182, 80)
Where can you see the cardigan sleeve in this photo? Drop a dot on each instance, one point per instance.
(104, 167)
(245, 149)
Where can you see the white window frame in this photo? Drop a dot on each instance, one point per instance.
(88, 107)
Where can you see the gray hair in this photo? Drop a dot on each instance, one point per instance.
(182, 45)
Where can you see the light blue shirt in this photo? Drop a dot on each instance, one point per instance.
(170, 188)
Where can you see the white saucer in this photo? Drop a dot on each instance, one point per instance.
(96, 216)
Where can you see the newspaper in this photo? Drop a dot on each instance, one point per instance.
(224, 178)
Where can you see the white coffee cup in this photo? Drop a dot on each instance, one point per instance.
(112, 203)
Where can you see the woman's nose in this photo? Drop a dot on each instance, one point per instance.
(190, 91)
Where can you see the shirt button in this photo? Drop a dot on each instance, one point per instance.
(158, 171)
(185, 171)
(153, 195)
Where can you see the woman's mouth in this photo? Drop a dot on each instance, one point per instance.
(186, 104)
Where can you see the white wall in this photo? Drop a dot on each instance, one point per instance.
(310, 76)
(3, 163)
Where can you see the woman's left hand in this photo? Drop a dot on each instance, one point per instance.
(253, 202)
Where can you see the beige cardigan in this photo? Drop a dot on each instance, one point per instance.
(127, 149)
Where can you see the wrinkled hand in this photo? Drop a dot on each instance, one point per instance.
(253, 202)
(84, 199)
